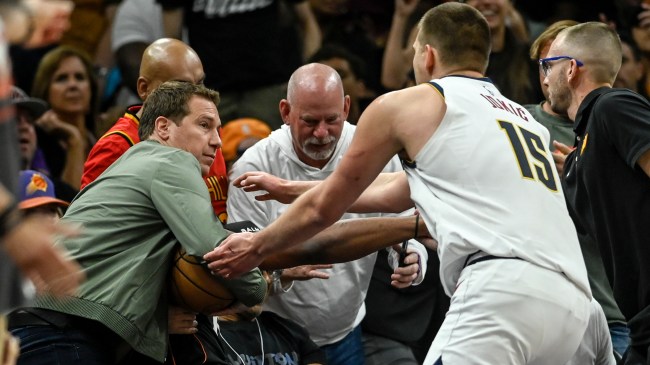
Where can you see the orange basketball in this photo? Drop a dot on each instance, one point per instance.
(193, 286)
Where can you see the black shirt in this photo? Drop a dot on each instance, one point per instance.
(285, 342)
(243, 45)
(608, 195)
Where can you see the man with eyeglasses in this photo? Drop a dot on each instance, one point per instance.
(607, 177)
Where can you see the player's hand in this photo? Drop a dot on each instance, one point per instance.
(404, 276)
(181, 321)
(31, 246)
(236, 255)
(559, 155)
(306, 272)
(274, 187)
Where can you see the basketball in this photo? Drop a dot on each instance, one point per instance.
(193, 286)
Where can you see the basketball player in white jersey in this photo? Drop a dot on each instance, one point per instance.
(482, 177)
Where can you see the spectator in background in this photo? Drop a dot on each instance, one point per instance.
(562, 136)
(131, 35)
(632, 69)
(509, 67)
(240, 134)
(37, 195)
(248, 337)
(398, 52)
(559, 126)
(635, 17)
(233, 38)
(361, 29)
(164, 60)
(351, 68)
(606, 178)
(28, 115)
(65, 80)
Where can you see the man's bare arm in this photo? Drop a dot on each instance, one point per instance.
(389, 193)
(348, 240)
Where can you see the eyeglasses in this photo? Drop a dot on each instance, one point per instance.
(546, 66)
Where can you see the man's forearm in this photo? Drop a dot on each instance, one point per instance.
(347, 240)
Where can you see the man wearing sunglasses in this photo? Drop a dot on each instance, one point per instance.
(606, 178)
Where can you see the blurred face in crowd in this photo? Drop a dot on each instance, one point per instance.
(494, 11)
(641, 36)
(70, 91)
(631, 69)
(197, 133)
(26, 137)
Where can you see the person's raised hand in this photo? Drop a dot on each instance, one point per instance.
(31, 246)
(284, 191)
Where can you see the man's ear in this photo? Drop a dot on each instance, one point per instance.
(346, 107)
(162, 127)
(431, 58)
(285, 108)
(142, 86)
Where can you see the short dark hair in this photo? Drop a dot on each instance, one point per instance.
(170, 100)
(332, 50)
(460, 33)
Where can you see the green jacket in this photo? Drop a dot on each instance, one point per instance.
(150, 200)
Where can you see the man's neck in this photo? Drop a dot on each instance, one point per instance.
(579, 95)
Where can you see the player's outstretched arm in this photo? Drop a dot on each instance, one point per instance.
(348, 240)
(389, 193)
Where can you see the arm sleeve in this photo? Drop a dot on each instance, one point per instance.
(181, 197)
(106, 151)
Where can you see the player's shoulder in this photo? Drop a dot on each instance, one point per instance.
(423, 94)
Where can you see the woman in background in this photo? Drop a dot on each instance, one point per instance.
(65, 79)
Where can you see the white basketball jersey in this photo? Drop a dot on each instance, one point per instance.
(485, 181)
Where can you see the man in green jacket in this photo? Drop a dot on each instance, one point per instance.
(149, 201)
